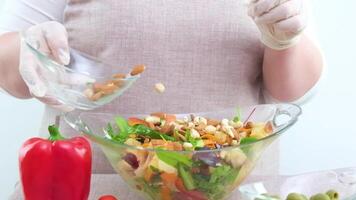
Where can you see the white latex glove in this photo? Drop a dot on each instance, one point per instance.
(281, 22)
(52, 40)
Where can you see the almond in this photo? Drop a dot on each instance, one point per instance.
(119, 76)
(109, 89)
(138, 69)
(97, 96)
(118, 82)
(97, 87)
(213, 122)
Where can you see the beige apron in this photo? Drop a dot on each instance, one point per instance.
(207, 53)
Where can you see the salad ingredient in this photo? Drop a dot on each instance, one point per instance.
(138, 69)
(119, 76)
(160, 88)
(236, 157)
(208, 158)
(191, 133)
(333, 194)
(186, 177)
(165, 193)
(131, 159)
(107, 197)
(42, 169)
(320, 196)
(296, 196)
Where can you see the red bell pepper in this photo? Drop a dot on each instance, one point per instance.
(55, 169)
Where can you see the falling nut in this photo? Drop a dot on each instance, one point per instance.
(160, 88)
(138, 69)
(119, 76)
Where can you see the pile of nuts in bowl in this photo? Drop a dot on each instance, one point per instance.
(98, 90)
(198, 132)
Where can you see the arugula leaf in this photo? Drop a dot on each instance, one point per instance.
(122, 125)
(110, 131)
(173, 158)
(187, 177)
(125, 130)
(248, 140)
(219, 173)
(114, 136)
(214, 186)
(144, 130)
(237, 118)
(196, 142)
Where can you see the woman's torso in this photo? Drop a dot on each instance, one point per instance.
(207, 53)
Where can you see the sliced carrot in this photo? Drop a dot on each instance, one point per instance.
(208, 136)
(132, 121)
(169, 145)
(157, 142)
(169, 178)
(177, 146)
(165, 193)
(180, 185)
(148, 175)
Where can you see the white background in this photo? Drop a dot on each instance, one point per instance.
(324, 138)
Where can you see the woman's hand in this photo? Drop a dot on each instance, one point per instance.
(51, 39)
(281, 22)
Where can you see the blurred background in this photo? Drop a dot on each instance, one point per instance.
(323, 139)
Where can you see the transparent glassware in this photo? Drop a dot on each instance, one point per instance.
(282, 116)
(341, 180)
(69, 83)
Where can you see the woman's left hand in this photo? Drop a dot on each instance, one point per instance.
(281, 22)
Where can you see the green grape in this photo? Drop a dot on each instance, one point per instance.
(333, 194)
(320, 197)
(296, 196)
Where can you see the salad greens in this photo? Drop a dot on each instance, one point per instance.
(187, 177)
(125, 130)
(196, 142)
(248, 140)
(237, 118)
(214, 185)
(173, 158)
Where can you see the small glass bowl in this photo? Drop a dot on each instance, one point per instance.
(69, 84)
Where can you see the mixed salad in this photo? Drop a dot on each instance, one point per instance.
(187, 170)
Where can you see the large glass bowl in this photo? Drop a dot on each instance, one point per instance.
(69, 84)
(159, 173)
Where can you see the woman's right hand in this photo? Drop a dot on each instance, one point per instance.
(50, 38)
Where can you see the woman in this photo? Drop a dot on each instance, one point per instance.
(210, 54)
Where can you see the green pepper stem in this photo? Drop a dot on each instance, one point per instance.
(54, 133)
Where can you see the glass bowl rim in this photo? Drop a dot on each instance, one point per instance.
(113, 144)
(66, 67)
